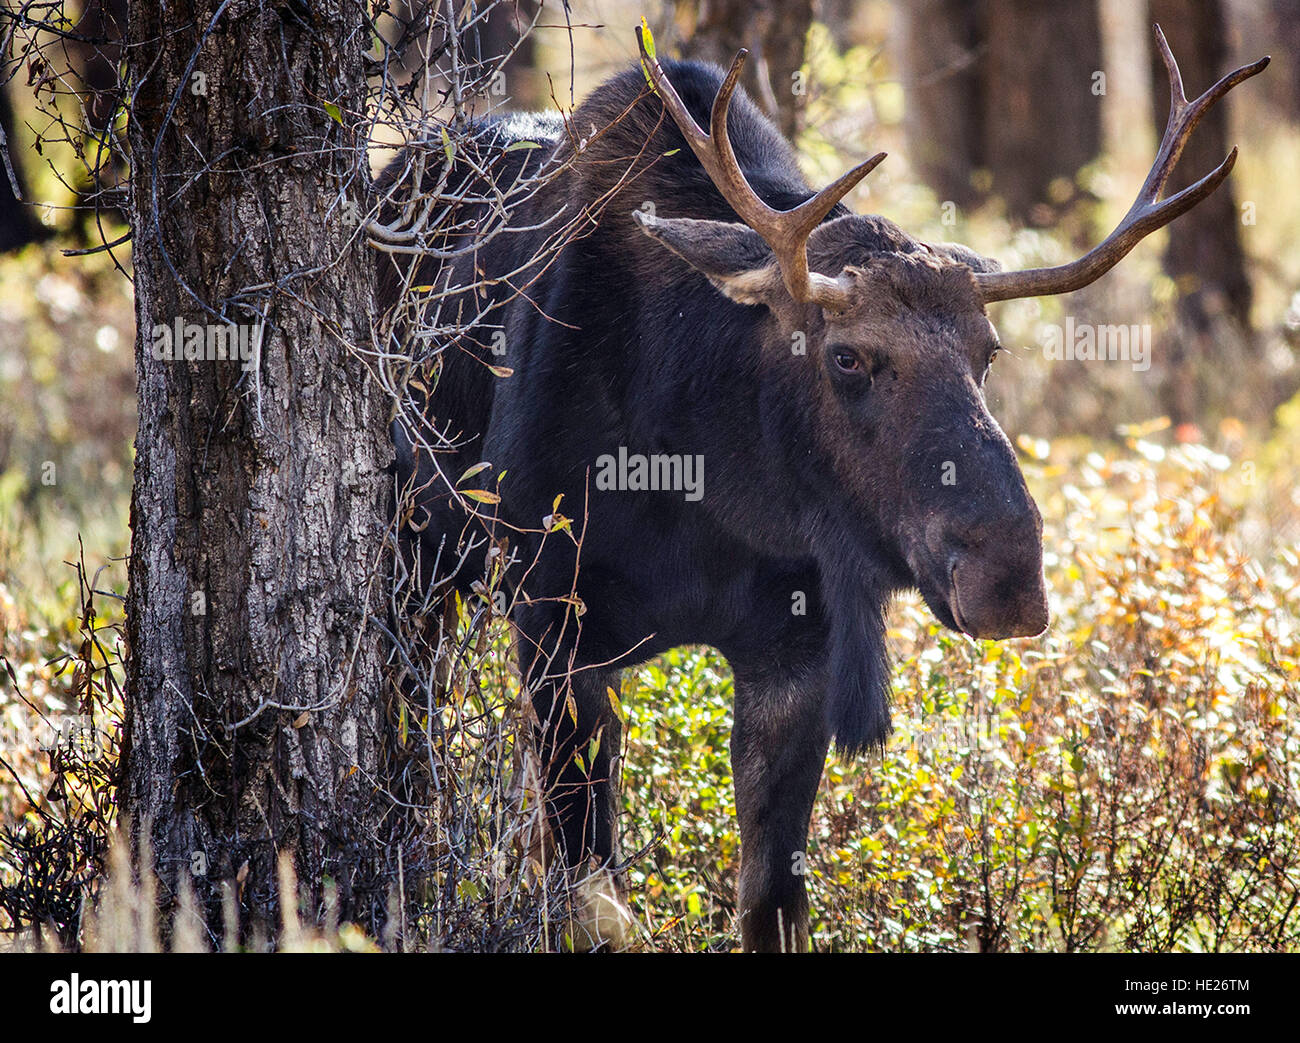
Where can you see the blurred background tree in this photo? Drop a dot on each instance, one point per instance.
(1204, 255)
(774, 32)
(995, 104)
(18, 223)
(506, 31)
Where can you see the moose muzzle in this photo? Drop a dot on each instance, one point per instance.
(985, 577)
(996, 589)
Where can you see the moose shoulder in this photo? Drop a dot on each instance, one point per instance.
(767, 414)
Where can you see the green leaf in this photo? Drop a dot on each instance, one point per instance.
(333, 112)
(481, 495)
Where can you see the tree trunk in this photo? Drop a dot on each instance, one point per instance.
(95, 60)
(842, 21)
(774, 31)
(938, 43)
(18, 224)
(502, 33)
(1204, 255)
(255, 718)
(1004, 86)
(1283, 25)
(1042, 121)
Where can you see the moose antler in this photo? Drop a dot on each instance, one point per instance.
(1146, 214)
(785, 231)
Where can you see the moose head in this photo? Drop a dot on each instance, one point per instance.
(898, 350)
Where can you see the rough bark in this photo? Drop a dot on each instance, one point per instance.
(256, 718)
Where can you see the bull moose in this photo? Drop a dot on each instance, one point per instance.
(822, 369)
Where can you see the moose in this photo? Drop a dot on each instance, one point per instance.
(824, 369)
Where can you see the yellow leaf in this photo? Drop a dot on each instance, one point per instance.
(648, 42)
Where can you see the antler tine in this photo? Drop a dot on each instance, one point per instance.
(785, 231)
(1184, 116)
(1148, 213)
(1177, 97)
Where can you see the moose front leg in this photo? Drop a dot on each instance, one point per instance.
(778, 750)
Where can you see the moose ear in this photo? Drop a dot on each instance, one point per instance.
(733, 256)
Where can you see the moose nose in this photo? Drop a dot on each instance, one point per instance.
(996, 580)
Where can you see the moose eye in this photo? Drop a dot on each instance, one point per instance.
(988, 363)
(847, 362)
